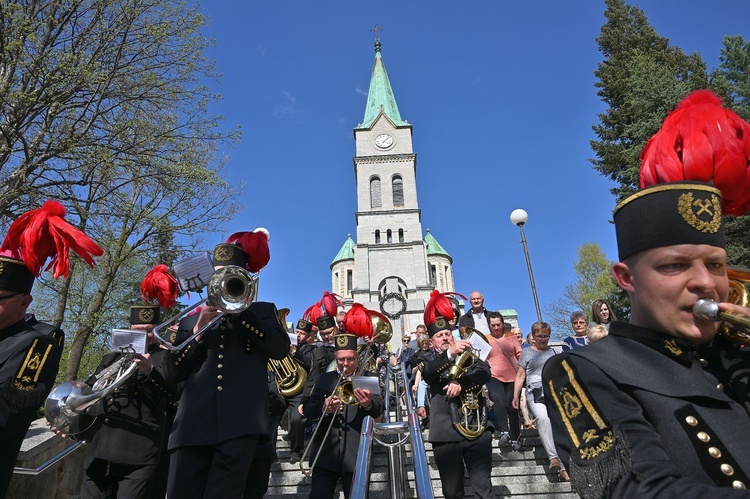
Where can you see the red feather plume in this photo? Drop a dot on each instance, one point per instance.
(357, 321)
(439, 305)
(160, 285)
(701, 140)
(255, 244)
(312, 313)
(44, 233)
(330, 303)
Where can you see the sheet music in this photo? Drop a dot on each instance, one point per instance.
(194, 273)
(367, 383)
(481, 346)
(292, 338)
(129, 340)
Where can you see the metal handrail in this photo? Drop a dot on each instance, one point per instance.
(362, 467)
(50, 462)
(422, 480)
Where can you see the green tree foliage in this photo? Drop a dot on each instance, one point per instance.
(732, 78)
(593, 281)
(641, 79)
(103, 106)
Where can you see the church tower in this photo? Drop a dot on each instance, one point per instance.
(391, 268)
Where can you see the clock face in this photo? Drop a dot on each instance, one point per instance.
(384, 141)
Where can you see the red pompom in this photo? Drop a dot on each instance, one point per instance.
(701, 140)
(160, 285)
(330, 303)
(313, 313)
(255, 244)
(44, 233)
(357, 321)
(439, 306)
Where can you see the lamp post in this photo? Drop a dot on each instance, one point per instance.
(519, 217)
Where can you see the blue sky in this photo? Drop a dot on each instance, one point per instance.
(501, 98)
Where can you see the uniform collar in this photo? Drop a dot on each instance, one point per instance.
(670, 346)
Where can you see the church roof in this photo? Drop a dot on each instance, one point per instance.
(433, 247)
(346, 252)
(380, 98)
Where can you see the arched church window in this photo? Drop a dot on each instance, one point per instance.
(390, 236)
(401, 235)
(375, 201)
(377, 236)
(398, 190)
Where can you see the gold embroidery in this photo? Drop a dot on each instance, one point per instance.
(607, 442)
(665, 187)
(146, 315)
(589, 435)
(341, 341)
(686, 207)
(44, 359)
(671, 345)
(23, 388)
(33, 363)
(440, 322)
(26, 360)
(565, 418)
(584, 399)
(2, 268)
(571, 404)
(223, 253)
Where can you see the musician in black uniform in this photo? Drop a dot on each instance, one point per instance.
(636, 411)
(452, 449)
(338, 455)
(124, 452)
(30, 350)
(323, 354)
(29, 361)
(223, 412)
(302, 354)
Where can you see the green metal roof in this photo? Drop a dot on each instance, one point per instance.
(346, 252)
(380, 98)
(433, 247)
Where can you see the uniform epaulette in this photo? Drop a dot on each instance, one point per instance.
(600, 453)
(25, 390)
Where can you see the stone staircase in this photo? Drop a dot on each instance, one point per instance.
(514, 474)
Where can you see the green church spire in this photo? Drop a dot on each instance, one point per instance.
(346, 252)
(434, 248)
(380, 98)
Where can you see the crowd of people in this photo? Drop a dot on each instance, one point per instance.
(658, 406)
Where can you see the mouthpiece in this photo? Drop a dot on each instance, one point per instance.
(707, 309)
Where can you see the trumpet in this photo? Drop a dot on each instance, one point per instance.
(231, 289)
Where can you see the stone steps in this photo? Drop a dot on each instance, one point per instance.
(514, 474)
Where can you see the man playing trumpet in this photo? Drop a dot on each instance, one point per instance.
(658, 408)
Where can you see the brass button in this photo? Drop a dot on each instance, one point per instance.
(219, 377)
(703, 362)
(222, 336)
(221, 355)
(220, 366)
(221, 345)
(720, 386)
(727, 469)
(691, 420)
(219, 388)
(703, 437)
(714, 452)
(738, 485)
(106, 420)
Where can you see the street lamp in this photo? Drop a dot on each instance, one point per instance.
(519, 217)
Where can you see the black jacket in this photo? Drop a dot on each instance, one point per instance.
(467, 320)
(225, 394)
(339, 453)
(441, 424)
(132, 423)
(640, 417)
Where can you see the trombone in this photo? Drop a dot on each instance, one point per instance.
(231, 289)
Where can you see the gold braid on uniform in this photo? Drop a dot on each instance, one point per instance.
(25, 390)
(600, 454)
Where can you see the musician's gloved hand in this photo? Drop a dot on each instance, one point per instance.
(452, 389)
(207, 314)
(144, 363)
(364, 398)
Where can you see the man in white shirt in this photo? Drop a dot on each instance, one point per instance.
(477, 316)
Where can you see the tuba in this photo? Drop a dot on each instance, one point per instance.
(382, 332)
(734, 327)
(290, 375)
(69, 407)
(468, 411)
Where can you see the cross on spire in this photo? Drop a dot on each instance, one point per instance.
(376, 29)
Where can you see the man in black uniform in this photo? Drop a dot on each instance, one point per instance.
(323, 354)
(30, 350)
(338, 455)
(223, 411)
(636, 411)
(124, 452)
(29, 361)
(452, 449)
(303, 355)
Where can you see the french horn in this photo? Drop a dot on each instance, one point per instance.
(469, 410)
